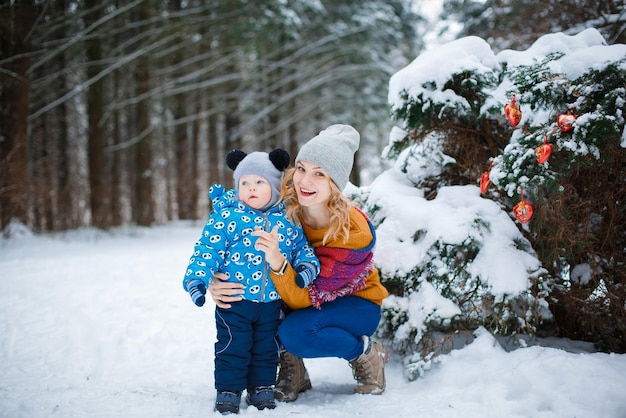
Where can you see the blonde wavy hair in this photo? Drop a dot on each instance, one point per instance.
(338, 206)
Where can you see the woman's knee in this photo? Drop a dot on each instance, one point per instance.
(289, 329)
(294, 331)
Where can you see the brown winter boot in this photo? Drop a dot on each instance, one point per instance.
(369, 370)
(292, 378)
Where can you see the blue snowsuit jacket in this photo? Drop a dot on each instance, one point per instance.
(226, 245)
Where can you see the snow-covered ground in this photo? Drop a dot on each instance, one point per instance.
(96, 324)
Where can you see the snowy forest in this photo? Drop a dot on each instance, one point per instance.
(120, 113)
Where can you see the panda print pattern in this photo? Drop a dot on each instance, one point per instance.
(226, 245)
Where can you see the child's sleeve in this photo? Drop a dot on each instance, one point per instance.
(207, 257)
(303, 252)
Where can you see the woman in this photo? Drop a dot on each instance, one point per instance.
(337, 314)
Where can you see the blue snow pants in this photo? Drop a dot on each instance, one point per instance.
(246, 351)
(333, 331)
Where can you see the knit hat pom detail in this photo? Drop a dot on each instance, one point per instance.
(234, 157)
(280, 158)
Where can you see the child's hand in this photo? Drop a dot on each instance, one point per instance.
(197, 290)
(268, 243)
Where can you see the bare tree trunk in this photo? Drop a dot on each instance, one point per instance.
(144, 209)
(119, 157)
(65, 215)
(117, 168)
(183, 158)
(64, 198)
(194, 166)
(292, 145)
(214, 150)
(293, 131)
(231, 122)
(100, 208)
(16, 22)
(183, 155)
(40, 174)
(144, 187)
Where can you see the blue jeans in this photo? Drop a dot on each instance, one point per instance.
(333, 331)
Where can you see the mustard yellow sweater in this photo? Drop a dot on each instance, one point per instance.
(360, 237)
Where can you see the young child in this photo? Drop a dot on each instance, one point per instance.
(246, 348)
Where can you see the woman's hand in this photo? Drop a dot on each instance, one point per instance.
(224, 293)
(268, 243)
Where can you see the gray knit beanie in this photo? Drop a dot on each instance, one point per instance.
(333, 150)
(269, 166)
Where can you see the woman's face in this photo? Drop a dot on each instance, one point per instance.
(312, 184)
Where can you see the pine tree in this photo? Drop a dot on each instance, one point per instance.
(454, 128)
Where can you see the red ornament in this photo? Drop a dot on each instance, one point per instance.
(512, 112)
(523, 211)
(484, 180)
(543, 151)
(566, 121)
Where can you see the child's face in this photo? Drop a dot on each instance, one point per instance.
(255, 191)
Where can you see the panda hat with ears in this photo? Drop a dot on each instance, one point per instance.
(269, 166)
